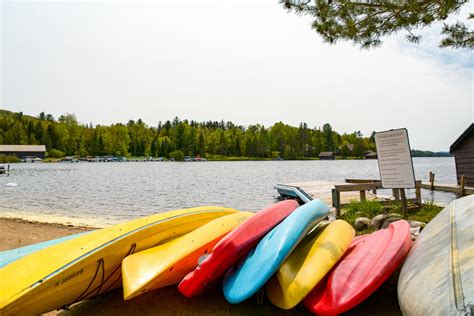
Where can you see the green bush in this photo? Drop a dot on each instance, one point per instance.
(357, 209)
(178, 155)
(54, 153)
(8, 159)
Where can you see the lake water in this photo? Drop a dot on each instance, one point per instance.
(107, 193)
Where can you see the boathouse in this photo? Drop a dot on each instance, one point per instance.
(327, 155)
(23, 151)
(463, 151)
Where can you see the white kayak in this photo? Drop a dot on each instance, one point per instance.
(438, 275)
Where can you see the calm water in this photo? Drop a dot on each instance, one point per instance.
(106, 193)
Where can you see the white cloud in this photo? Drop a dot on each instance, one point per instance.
(247, 62)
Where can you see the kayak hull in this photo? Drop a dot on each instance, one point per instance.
(253, 271)
(233, 246)
(308, 264)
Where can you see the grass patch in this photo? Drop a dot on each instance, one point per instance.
(426, 213)
(357, 209)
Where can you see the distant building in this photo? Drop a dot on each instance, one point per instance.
(327, 155)
(349, 147)
(370, 154)
(463, 151)
(23, 151)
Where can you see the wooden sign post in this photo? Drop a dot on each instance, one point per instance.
(395, 162)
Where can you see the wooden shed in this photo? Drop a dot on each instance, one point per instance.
(327, 155)
(463, 151)
(23, 151)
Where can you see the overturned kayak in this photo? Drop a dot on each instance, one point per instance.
(253, 271)
(368, 262)
(88, 265)
(233, 246)
(169, 263)
(308, 264)
(438, 275)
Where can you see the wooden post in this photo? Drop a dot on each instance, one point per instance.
(336, 200)
(404, 203)
(463, 183)
(418, 191)
(362, 195)
(396, 194)
(432, 179)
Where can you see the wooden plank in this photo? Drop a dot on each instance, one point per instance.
(359, 186)
(448, 188)
(361, 181)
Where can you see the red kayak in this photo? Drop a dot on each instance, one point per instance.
(369, 261)
(233, 246)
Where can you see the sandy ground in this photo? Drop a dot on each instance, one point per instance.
(168, 301)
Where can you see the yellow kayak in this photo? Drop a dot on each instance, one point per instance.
(169, 263)
(308, 264)
(86, 266)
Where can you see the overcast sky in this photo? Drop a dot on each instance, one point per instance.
(243, 61)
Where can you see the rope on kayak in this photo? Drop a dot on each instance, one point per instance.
(100, 267)
(133, 247)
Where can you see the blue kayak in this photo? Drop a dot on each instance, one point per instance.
(9, 256)
(245, 279)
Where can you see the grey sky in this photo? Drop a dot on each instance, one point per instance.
(244, 61)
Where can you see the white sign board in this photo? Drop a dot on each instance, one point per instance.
(394, 156)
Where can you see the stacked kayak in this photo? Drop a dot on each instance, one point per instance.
(168, 263)
(308, 264)
(88, 265)
(438, 275)
(246, 278)
(233, 246)
(364, 267)
(285, 249)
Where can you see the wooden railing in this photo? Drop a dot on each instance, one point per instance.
(363, 185)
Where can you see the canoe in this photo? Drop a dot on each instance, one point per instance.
(438, 275)
(169, 263)
(86, 266)
(234, 246)
(364, 267)
(253, 271)
(308, 264)
(11, 255)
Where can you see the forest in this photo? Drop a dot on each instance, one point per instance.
(65, 136)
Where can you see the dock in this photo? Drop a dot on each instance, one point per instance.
(339, 194)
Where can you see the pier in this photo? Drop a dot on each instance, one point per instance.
(329, 192)
(339, 194)
(4, 170)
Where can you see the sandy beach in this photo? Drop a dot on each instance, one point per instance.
(18, 232)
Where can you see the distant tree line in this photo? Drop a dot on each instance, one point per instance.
(66, 136)
(427, 153)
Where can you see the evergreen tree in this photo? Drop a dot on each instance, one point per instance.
(365, 23)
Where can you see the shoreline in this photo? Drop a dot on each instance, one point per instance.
(18, 232)
(56, 220)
